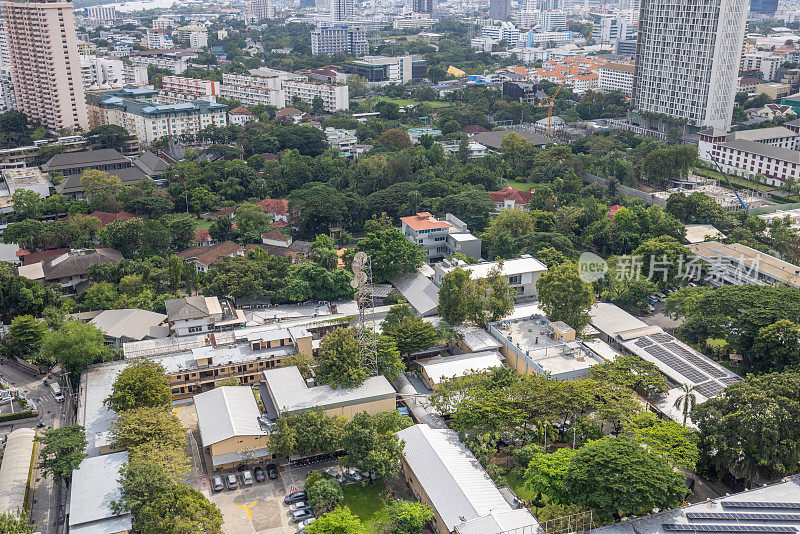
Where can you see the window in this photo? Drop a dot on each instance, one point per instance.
(193, 329)
(514, 280)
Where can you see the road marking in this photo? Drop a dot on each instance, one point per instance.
(175, 410)
(248, 508)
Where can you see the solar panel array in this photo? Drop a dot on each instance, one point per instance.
(673, 527)
(708, 378)
(762, 504)
(742, 516)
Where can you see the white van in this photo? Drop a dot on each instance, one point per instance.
(57, 395)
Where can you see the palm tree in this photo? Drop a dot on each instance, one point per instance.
(686, 401)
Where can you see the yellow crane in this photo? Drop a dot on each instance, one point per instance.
(548, 103)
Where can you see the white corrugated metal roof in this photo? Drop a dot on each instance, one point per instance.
(440, 367)
(94, 487)
(15, 470)
(290, 393)
(226, 412)
(451, 476)
(611, 319)
(131, 323)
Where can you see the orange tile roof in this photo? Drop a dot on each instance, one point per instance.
(424, 221)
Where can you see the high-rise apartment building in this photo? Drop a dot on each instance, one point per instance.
(342, 10)
(422, 6)
(46, 66)
(332, 38)
(258, 10)
(764, 6)
(687, 59)
(101, 13)
(499, 9)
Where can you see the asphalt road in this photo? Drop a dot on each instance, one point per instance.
(48, 498)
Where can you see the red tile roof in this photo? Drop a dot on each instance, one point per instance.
(613, 211)
(424, 221)
(509, 193)
(286, 112)
(473, 129)
(214, 253)
(29, 258)
(239, 111)
(202, 236)
(275, 235)
(279, 206)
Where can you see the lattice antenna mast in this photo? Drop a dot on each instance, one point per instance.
(365, 328)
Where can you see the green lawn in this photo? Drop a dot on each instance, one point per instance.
(202, 224)
(519, 186)
(517, 485)
(408, 102)
(367, 502)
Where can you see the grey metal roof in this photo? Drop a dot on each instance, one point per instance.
(290, 393)
(185, 308)
(15, 470)
(85, 158)
(419, 291)
(611, 319)
(783, 154)
(94, 487)
(453, 479)
(764, 133)
(443, 367)
(783, 492)
(151, 164)
(492, 140)
(225, 412)
(131, 323)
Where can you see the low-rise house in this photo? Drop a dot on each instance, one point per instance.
(509, 197)
(288, 393)
(521, 273)
(445, 475)
(95, 485)
(204, 256)
(440, 238)
(436, 370)
(21, 179)
(69, 270)
(230, 425)
(132, 324)
(240, 116)
(196, 314)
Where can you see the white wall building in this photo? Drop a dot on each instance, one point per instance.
(542, 38)
(615, 77)
(252, 90)
(332, 38)
(440, 238)
(334, 97)
(104, 14)
(102, 73)
(157, 40)
(178, 66)
(342, 10)
(688, 59)
(521, 273)
(506, 31)
(135, 75)
(163, 23)
(190, 86)
(258, 10)
(552, 20)
(7, 98)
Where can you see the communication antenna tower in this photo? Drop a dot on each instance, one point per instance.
(365, 327)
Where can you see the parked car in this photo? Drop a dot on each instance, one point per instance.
(298, 506)
(302, 525)
(232, 481)
(354, 475)
(333, 473)
(216, 483)
(247, 478)
(297, 496)
(258, 472)
(302, 515)
(272, 471)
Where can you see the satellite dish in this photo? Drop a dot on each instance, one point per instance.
(360, 257)
(354, 283)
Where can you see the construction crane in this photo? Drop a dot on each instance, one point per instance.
(548, 103)
(744, 206)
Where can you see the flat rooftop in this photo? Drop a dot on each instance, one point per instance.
(27, 176)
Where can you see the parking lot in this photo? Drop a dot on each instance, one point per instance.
(256, 509)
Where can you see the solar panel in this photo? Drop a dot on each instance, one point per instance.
(662, 338)
(696, 360)
(673, 527)
(728, 380)
(643, 342)
(741, 516)
(676, 363)
(762, 504)
(710, 388)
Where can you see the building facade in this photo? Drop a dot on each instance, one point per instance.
(330, 39)
(252, 90)
(334, 97)
(687, 59)
(615, 77)
(342, 10)
(499, 9)
(258, 10)
(43, 48)
(189, 86)
(102, 73)
(422, 6)
(440, 238)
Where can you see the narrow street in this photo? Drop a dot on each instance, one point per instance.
(47, 498)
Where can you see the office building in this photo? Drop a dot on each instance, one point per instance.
(382, 69)
(422, 6)
(251, 90)
(499, 9)
(687, 60)
(506, 31)
(43, 48)
(174, 64)
(342, 10)
(135, 75)
(550, 5)
(615, 77)
(626, 47)
(440, 238)
(258, 10)
(103, 14)
(608, 29)
(334, 97)
(764, 7)
(414, 21)
(552, 20)
(102, 73)
(330, 39)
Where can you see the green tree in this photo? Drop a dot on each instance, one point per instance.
(75, 345)
(668, 439)
(307, 433)
(751, 431)
(395, 315)
(618, 475)
(341, 363)
(63, 451)
(317, 105)
(776, 347)
(545, 474)
(413, 334)
(339, 521)
(142, 383)
(391, 253)
(25, 335)
(140, 426)
(12, 524)
(686, 401)
(372, 446)
(108, 136)
(407, 517)
(305, 363)
(634, 373)
(564, 296)
(100, 183)
(453, 293)
(325, 495)
(27, 204)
